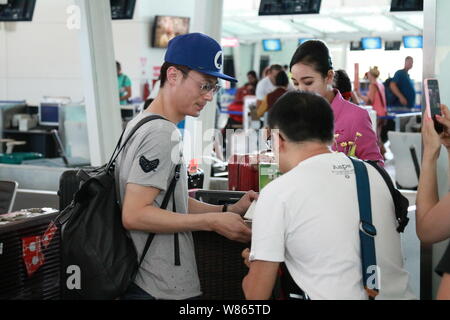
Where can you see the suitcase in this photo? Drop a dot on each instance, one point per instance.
(69, 183)
(219, 262)
(30, 266)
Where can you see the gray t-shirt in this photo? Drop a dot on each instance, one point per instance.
(149, 159)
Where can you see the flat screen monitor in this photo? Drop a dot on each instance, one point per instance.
(166, 28)
(49, 114)
(279, 7)
(17, 10)
(371, 43)
(413, 42)
(271, 45)
(356, 46)
(406, 5)
(392, 45)
(122, 9)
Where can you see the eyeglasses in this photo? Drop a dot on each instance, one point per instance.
(205, 87)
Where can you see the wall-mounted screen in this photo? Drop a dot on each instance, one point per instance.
(166, 28)
(271, 45)
(122, 9)
(406, 5)
(371, 43)
(413, 42)
(356, 46)
(392, 45)
(17, 10)
(278, 7)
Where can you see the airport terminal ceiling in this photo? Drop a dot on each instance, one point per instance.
(338, 20)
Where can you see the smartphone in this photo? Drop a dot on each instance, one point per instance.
(433, 101)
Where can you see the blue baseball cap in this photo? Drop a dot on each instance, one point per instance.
(198, 52)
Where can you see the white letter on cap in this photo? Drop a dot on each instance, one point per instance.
(216, 60)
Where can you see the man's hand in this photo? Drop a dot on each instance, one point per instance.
(244, 203)
(246, 255)
(403, 101)
(231, 226)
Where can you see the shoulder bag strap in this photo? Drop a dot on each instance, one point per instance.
(381, 96)
(401, 203)
(367, 231)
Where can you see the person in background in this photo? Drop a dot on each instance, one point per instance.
(312, 71)
(267, 85)
(432, 215)
(309, 217)
(252, 82)
(402, 86)
(281, 84)
(344, 85)
(376, 98)
(236, 107)
(124, 83)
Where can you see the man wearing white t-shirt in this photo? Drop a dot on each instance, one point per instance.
(267, 84)
(309, 217)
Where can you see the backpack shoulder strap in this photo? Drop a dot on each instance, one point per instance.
(165, 201)
(120, 146)
(367, 230)
(401, 203)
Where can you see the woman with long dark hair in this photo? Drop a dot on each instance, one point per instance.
(312, 70)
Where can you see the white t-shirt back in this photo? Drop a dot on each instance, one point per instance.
(265, 86)
(313, 226)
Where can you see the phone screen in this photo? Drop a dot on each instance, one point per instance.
(434, 102)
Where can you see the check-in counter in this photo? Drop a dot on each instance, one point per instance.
(38, 186)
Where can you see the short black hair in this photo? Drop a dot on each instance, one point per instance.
(252, 73)
(276, 67)
(314, 53)
(303, 116)
(342, 81)
(163, 73)
(281, 79)
(118, 66)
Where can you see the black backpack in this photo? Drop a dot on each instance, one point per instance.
(94, 242)
(391, 98)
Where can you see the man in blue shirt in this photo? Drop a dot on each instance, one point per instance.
(124, 83)
(403, 87)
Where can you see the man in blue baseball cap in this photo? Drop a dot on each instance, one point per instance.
(148, 165)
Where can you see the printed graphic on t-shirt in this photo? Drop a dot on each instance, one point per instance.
(343, 170)
(148, 165)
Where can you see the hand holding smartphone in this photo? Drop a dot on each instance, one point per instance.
(433, 102)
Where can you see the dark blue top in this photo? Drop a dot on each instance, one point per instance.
(406, 86)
